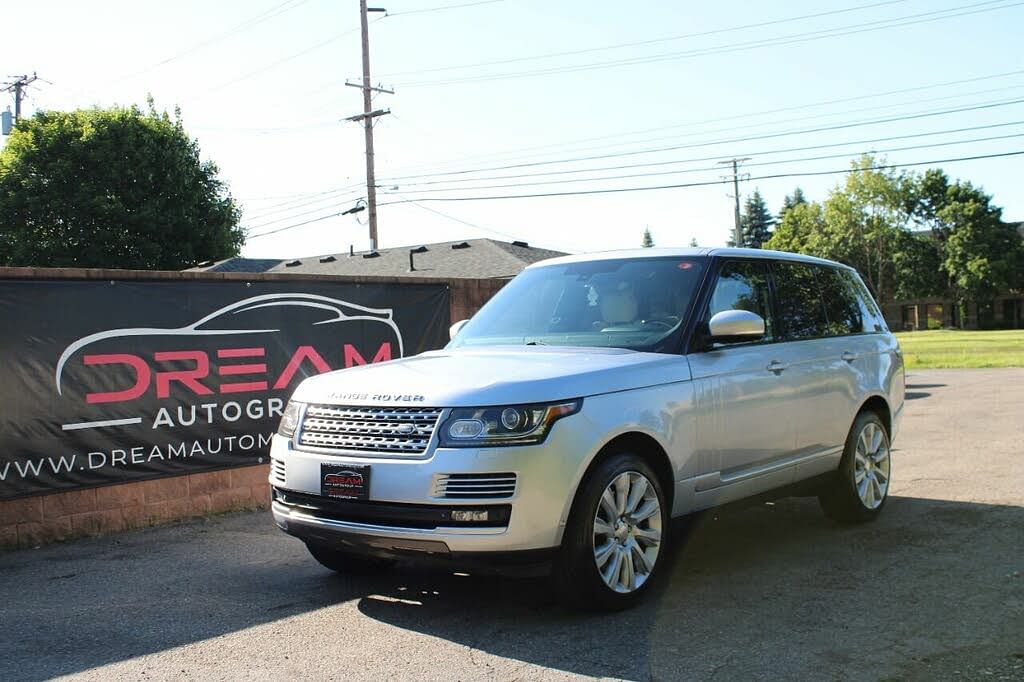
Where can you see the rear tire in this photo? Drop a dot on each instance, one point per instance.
(347, 562)
(861, 485)
(617, 536)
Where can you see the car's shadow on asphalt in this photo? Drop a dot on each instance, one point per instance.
(746, 591)
(770, 587)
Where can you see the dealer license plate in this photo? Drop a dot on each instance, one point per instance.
(345, 481)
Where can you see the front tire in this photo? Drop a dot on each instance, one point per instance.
(346, 562)
(861, 486)
(616, 539)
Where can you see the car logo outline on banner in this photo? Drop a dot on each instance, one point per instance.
(384, 315)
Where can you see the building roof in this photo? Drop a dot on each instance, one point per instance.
(470, 259)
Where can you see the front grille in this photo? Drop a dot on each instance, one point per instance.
(386, 430)
(475, 486)
(277, 471)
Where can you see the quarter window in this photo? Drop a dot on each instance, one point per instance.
(743, 285)
(841, 305)
(801, 314)
(871, 315)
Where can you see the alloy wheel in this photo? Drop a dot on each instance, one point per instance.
(871, 465)
(627, 532)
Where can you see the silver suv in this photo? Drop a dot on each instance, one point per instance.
(591, 401)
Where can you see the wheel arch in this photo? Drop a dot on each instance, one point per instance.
(879, 406)
(637, 442)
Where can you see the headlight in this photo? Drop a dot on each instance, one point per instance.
(474, 427)
(290, 419)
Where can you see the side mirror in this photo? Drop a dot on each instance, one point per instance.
(456, 328)
(735, 326)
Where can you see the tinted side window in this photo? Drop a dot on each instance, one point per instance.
(743, 285)
(872, 316)
(801, 314)
(841, 306)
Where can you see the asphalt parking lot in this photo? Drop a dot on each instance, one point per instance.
(933, 590)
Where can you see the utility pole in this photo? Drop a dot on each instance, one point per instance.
(17, 86)
(367, 118)
(738, 230)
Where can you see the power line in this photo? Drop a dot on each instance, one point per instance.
(647, 188)
(332, 195)
(459, 220)
(807, 36)
(298, 196)
(619, 190)
(346, 202)
(276, 63)
(723, 119)
(695, 159)
(804, 131)
(700, 34)
(270, 13)
(442, 8)
(304, 213)
(751, 165)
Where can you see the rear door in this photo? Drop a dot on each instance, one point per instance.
(810, 304)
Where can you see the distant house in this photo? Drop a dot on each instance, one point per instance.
(1006, 311)
(467, 259)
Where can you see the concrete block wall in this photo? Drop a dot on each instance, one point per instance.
(32, 521)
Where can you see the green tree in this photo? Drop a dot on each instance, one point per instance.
(113, 187)
(756, 221)
(648, 240)
(862, 224)
(977, 254)
(983, 255)
(791, 200)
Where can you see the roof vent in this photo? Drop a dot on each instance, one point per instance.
(461, 245)
(371, 254)
(525, 245)
(328, 259)
(292, 263)
(419, 249)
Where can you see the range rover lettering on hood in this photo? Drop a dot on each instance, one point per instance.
(379, 397)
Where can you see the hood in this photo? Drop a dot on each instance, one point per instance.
(496, 375)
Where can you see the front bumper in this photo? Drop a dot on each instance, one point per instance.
(546, 476)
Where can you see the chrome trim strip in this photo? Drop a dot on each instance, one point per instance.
(380, 531)
(716, 479)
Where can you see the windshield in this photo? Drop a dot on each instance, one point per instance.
(638, 303)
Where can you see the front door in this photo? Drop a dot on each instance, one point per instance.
(744, 431)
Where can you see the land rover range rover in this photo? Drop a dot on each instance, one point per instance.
(593, 399)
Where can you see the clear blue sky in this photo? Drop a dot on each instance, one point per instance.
(265, 97)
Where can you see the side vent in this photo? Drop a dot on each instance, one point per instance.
(461, 245)
(475, 486)
(328, 259)
(277, 472)
(292, 263)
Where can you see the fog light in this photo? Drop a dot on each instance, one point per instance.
(469, 515)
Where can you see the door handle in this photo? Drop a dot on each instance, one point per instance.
(848, 357)
(776, 367)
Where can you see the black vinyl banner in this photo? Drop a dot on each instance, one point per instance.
(106, 382)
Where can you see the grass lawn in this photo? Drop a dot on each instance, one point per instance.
(942, 348)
